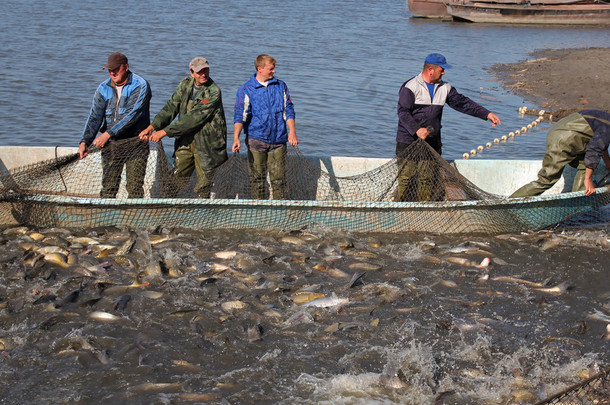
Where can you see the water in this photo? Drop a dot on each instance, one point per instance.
(344, 63)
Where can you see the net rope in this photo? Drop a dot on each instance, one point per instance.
(133, 168)
(593, 390)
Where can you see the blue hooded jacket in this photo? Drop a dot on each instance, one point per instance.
(264, 110)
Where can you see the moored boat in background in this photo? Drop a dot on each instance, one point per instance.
(429, 8)
(572, 12)
(531, 12)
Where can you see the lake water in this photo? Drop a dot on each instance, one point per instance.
(436, 324)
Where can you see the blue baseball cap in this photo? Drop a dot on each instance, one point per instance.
(437, 59)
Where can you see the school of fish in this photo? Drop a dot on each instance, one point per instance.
(180, 316)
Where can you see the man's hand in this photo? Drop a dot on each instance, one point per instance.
(494, 119)
(156, 137)
(589, 187)
(422, 133)
(236, 145)
(292, 139)
(82, 150)
(146, 133)
(101, 140)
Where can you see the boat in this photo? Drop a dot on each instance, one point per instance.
(579, 12)
(457, 216)
(530, 12)
(429, 8)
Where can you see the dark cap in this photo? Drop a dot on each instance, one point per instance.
(115, 60)
(437, 59)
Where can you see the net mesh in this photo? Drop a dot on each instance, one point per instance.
(416, 191)
(594, 390)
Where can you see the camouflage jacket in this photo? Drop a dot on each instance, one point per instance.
(201, 120)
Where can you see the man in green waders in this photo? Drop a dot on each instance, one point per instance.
(580, 140)
(200, 131)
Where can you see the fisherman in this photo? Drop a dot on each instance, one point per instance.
(120, 110)
(581, 139)
(200, 131)
(264, 111)
(420, 108)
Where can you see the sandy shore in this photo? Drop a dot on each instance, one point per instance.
(561, 80)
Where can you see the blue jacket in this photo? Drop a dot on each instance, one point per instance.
(124, 120)
(416, 110)
(264, 110)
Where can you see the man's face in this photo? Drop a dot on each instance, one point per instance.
(119, 75)
(266, 72)
(202, 76)
(436, 73)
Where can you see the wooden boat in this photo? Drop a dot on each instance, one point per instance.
(429, 8)
(491, 216)
(530, 12)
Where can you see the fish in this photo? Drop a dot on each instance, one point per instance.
(152, 294)
(103, 316)
(20, 230)
(58, 259)
(292, 240)
(36, 236)
(156, 387)
(599, 316)
(331, 271)
(558, 289)
(356, 280)
(446, 283)
(364, 266)
(226, 254)
(126, 247)
(510, 279)
(303, 297)
(524, 396)
(198, 397)
(298, 318)
(84, 240)
(327, 302)
(563, 339)
(230, 306)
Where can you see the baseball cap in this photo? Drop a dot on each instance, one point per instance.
(115, 60)
(437, 59)
(198, 63)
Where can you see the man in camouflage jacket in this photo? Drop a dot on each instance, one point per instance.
(200, 131)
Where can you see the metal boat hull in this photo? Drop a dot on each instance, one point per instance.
(480, 12)
(499, 215)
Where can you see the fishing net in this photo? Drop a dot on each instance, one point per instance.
(416, 191)
(594, 390)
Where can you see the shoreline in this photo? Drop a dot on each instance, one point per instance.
(561, 81)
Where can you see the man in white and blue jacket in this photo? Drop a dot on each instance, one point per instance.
(120, 110)
(420, 109)
(264, 111)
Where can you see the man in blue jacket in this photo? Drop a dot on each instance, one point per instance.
(580, 140)
(420, 109)
(120, 110)
(264, 111)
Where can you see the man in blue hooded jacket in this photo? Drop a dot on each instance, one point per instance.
(264, 111)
